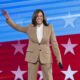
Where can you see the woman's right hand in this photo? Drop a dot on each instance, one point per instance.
(5, 14)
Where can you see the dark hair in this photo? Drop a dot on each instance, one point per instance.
(35, 16)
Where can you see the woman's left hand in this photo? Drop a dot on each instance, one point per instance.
(60, 65)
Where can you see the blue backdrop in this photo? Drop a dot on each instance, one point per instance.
(64, 15)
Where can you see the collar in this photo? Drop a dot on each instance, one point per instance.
(41, 25)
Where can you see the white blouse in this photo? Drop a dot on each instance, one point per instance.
(39, 32)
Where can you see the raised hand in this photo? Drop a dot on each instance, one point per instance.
(5, 14)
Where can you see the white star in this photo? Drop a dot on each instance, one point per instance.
(19, 73)
(41, 75)
(0, 71)
(69, 47)
(69, 21)
(69, 73)
(18, 47)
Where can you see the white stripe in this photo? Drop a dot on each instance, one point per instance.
(62, 17)
(49, 18)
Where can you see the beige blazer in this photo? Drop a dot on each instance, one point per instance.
(35, 49)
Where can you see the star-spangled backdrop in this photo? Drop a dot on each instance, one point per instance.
(64, 15)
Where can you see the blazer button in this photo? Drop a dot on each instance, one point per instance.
(40, 49)
(39, 43)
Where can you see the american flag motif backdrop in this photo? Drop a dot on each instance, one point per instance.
(64, 15)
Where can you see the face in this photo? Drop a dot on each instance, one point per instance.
(39, 18)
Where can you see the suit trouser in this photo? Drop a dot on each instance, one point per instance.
(46, 70)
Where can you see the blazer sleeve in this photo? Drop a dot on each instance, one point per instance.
(16, 26)
(55, 46)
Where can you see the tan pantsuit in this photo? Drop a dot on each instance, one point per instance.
(38, 50)
(46, 70)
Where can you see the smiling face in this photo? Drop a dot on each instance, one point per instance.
(39, 18)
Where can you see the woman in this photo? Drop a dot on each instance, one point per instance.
(38, 51)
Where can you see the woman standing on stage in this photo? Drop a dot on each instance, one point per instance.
(38, 51)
